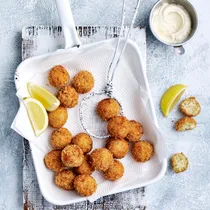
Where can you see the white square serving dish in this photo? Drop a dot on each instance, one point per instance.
(46, 178)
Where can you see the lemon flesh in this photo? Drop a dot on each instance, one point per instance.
(171, 97)
(49, 101)
(37, 115)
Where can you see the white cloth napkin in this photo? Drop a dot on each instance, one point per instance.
(128, 89)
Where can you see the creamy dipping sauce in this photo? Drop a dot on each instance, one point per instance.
(171, 23)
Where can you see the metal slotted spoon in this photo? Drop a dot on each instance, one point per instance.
(90, 121)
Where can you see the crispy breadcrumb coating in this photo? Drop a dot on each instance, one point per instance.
(142, 151)
(190, 107)
(84, 141)
(115, 171)
(85, 185)
(86, 167)
(61, 138)
(118, 127)
(58, 118)
(83, 82)
(72, 156)
(108, 108)
(101, 159)
(185, 123)
(68, 97)
(179, 162)
(65, 179)
(53, 161)
(58, 76)
(135, 131)
(118, 147)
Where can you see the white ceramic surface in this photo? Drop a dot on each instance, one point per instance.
(154, 168)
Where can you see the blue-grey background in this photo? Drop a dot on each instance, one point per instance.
(176, 192)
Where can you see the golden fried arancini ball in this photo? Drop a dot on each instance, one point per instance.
(118, 147)
(101, 159)
(58, 76)
(179, 162)
(60, 138)
(190, 107)
(53, 161)
(83, 82)
(86, 168)
(84, 141)
(72, 156)
(115, 171)
(135, 131)
(118, 127)
(108, 108)
(58, 117)
(65, 179)
(85, 185)
(185, 123)
(142, 151)
(68, 97)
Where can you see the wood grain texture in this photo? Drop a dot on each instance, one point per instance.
(42, 39)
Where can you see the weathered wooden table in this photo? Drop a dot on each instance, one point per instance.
(39, 40)
(186, 191)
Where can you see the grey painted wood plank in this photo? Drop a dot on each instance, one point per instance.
(37, 40)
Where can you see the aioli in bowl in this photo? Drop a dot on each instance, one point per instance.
(171, 23)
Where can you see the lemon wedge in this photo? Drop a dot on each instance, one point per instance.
(49, 101)
(171, 97)
(37, 115)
